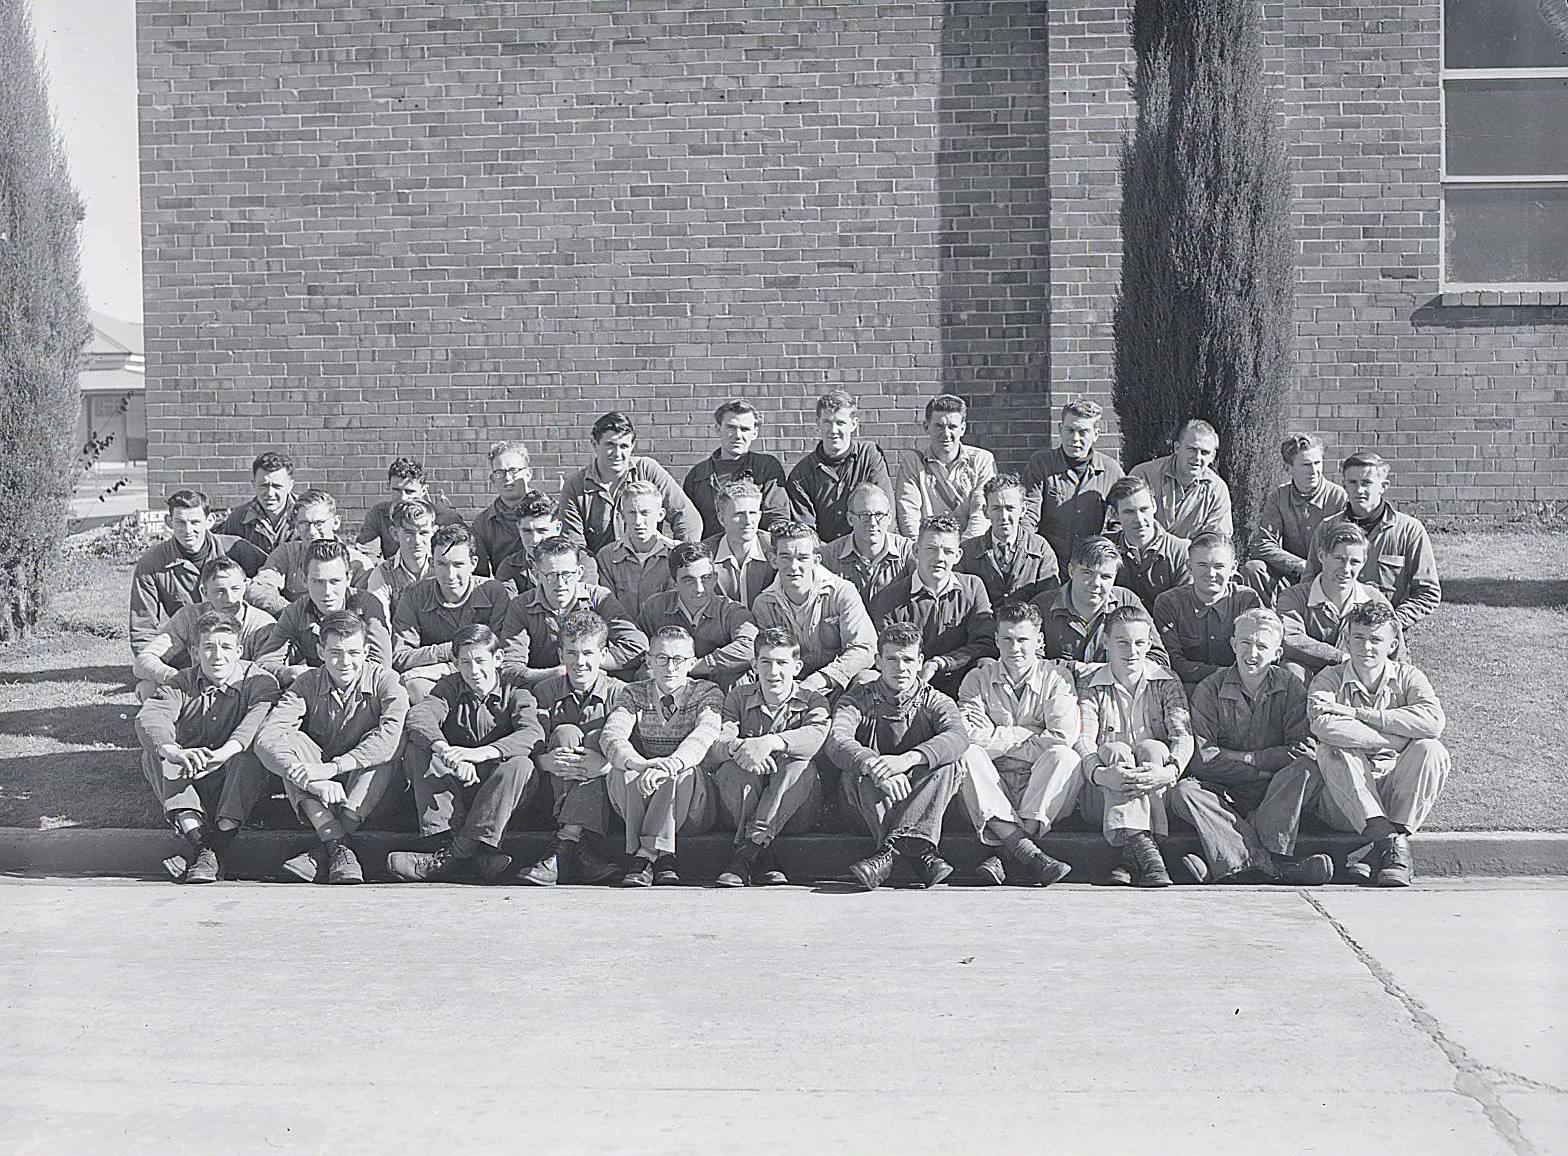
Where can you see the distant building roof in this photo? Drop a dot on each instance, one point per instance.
(113, 336)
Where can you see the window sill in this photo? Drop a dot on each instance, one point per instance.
(1490, 297)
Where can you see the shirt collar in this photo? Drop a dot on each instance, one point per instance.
(621, 551)
(1152, 672)
(236, 676)
(754, 551)
(1359, 592)
(536, 600)
(1232, 687)
(916, 586)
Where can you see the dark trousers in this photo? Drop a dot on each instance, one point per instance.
(1240, 825)
(918, 815)
(479, 810)
(230, 792)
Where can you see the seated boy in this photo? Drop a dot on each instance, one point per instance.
(1013, 562)
(898, 744)
(293, 645)
(1021, 773)
(406, 479)
(1314, 611)
(433, 610)
(737, 423)
(168, 576)
(1075, 615)
(655, 741)
(768, 784)
(468, 760)
(636, 565)
(590, 496)
(1377, 723)
(173, 649)
(743, 553)
(196, 733)
(531, 628)
(413, 526)
(267, 519)
(334, 739)
(495, 527)
(871, 557)
(1255, 766)
(822, 613)
(1196, 620)
(1135, 740)
(572, 708)
(951, 610)
(722, 630)
(1288, 523)
(943, 477)
(1153, 559)
(536, 521)
(819, 485)
(281, 578)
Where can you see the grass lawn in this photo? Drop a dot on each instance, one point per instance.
(68, 754)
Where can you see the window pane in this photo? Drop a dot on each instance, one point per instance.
(1507, 127)
(1506, 235)
(1499, 34)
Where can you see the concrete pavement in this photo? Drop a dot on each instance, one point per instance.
(138, 1017)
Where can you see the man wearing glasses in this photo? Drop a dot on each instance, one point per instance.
(872, 556)
(495, 527)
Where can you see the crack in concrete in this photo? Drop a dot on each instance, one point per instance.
(1472, 1079)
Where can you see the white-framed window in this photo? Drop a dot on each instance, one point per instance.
(1505, 148)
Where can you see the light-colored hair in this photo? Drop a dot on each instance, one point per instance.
(1083, 407)
(1198, 426)
(640, 488)
(507, 447)
(740, 488)
(835, 400)
(1259, 618)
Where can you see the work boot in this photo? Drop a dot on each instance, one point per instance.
(641, 875)
(439, 866)
(1313, 871)
(1141, 856)
(766, 872)
(585, 865)
(1395, 868)
(991, 872)
(342, 864)
(738, 873)
(1196, 869)
(665, 873)
(489, 863)
(547, 871)
(1037, 866)
(872, 871)
(203, 867)
(307, 866)
(931, 868)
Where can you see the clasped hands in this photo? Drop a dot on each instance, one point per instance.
(192, 762)
(891, 773)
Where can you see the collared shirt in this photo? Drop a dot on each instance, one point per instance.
(925, 487)
(517, 572)
(377, 526)
(835, 633)
(507, 718)
(1400, 563)
(742, 578)
(1156, 708)
(249, 524)
(1024, 719)
(956, 623)
(562, 704)
(532, 631)
(495, 537)
(587, 504)
(360, 726)
(705, 480)
(1315, 626)
(1403, 706)
(174, 648)
(869, 720)
(281, 578)
(1197, 637)
(191, 711)
(1158, 567)
(649, 724)
(1271, 723)
(724, 633)
(296, 638)
(635, 578)
(819, 489)
(1288, 525)
(424, 623)
(1073, 638)
(387, 580)
(870, 578)
(1065, 500)
(1026, 571)
(800, 721)
(1184, 510)
(167, 578)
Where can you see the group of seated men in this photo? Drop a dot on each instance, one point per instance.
(850, 642)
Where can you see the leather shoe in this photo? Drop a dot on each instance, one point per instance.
(439, 866)
(873, 871)
(1395, 867)
(547, 871)
(203, 867)
(639, 876)
(665, 873)
(307, 866)
(342, 865)
(932, 869)
(991, 872)
(1141, 855)
(766, 872)
(585, 865)
(1313, 871)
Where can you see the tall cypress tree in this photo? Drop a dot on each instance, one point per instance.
(44, 326)
(1203, 317)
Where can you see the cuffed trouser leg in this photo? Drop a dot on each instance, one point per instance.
(1357, 789)
(1277, 819)
(364, 787)
(231, 792)
(918, 816)
(763, 807)
(684, 803)
(583, 803)
(1230, 843)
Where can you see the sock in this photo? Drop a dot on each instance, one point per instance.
(222, 837)
(464, 846)
(1378, 828)
(913, 847)
(190, 826)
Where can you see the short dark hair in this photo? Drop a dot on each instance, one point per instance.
(1094, 550)
(557, 545)
(222, 564)
(1297, 443)
(536, 504)
(776, 638)
(735, 405)
(939, 524)
(1017, 611)
(270, 462)
(324, 550)
(614, 422)
(900, 634)
(1001, 482)
(341, 624)
(946, 403)
(581, 624)
(314, 497)
(403, 469)
(475, 634)
(1130, 612)
(216, 622)
(449, 536)
(788, 531)
(672, 634)
(189, 500)
(685, 554)
(1123, 488)
(1372, 614)
(410, 513)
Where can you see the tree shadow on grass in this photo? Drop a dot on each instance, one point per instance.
(103, 675)
(1506, 592)
(100, 724)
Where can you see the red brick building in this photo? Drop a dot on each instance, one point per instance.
(410, 228)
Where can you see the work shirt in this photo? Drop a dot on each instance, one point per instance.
(167, 578)
(1025, 571)
(587, 504)
(174, 648)
(746, 576)
(495, 537)
(1315, 625)
(1151, 571)
(296, 638)
(1071, 637)
(843, 558)
(191, 711)
(800, 722)
(360, 725)
(923, 487)
(652, 725)
(532, 631)
(562, 704)
(387, 580)
(1400, 562)
(635, 578)
(377, 526)
(247, 523)
(1065, 500)
(281, 578)
(1288, 526)
(1271, 723)
(507, 718)
(724, 633)
(1402, 707)
(1023, 719)
(1197, 638)
(1184, 510)
(956, 623)
(835, 633)
(706, 480)
(424, 623)
(1155, 708)
(516, 571)
(819, 489)
(870, 720)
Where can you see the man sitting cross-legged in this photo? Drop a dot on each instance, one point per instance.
(1196, 619)
(536, 520)
(1075, 615)
(1021, 773)
(293, 646)
(468, 760)
(281, 578)
(743, 553)
(737, 423)
(1377, 723)
(871, 557)
(1013, 562)
(173, 648)
(1255, 767)
(334, 739)
(636, 565)
(1188, 495)
(1288, 523)
(433, 610)
(899, 745)
(1135, 741)
(196, 733)
(1153, 559)
(768, 784)
(656, 739)
(406, 480)
(722, 629)
(1314, 611)
(413, 525)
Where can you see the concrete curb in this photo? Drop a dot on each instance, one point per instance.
(257, 854)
